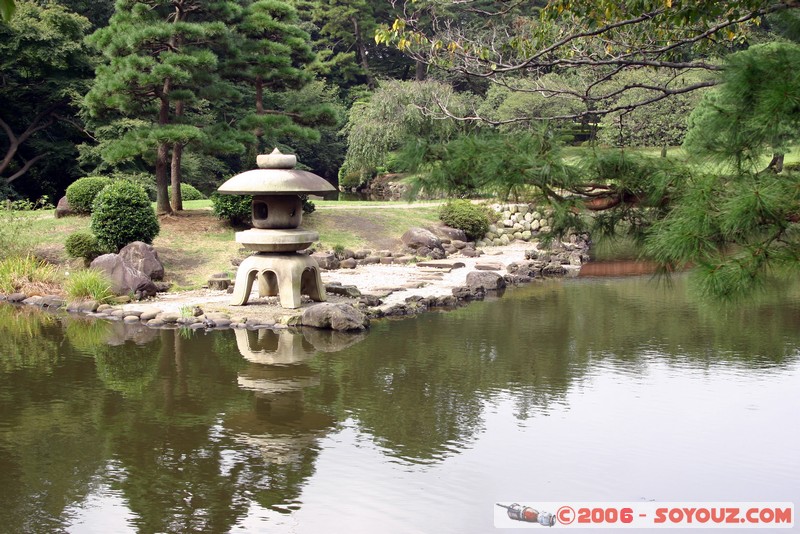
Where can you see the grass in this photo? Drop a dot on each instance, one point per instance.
(89, 284)
(28, 275)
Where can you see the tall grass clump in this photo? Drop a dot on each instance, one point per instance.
(26, 274)
(89, 284)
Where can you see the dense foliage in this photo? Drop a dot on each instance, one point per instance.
(84, 245)
(82, 192)
(189, 192)
(122, 214)
(465, 215)
(236, 209)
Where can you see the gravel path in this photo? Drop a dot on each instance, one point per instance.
(400, 281)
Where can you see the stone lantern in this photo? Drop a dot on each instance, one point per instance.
(277, 211)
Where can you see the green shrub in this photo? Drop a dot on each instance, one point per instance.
(89, 284)
(82, 192)
(82, 245)
(188, 192)
(464, 215)
(142, 179)
(122, 214)
(308, 205)
(236, 209)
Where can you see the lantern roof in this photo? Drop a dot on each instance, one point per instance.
(276, 175)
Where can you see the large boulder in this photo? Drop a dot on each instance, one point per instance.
(486, 280)
(417, 237)
(335, 317)
(325, 260)
(453, 234)
(144, 258)
(124, 277)
(63, 208)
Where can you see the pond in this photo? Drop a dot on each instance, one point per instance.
(575, 390)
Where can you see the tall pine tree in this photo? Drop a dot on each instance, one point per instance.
(157, 53)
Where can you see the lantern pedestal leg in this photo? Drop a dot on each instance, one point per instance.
(285, 275)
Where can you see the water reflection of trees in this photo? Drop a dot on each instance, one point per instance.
(201, 427)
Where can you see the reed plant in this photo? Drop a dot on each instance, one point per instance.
(28, 275)
(89, 284)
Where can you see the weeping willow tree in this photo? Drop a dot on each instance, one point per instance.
(738, 225)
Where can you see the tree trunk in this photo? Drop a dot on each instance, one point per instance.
(175, 169)
(162, 158)
(176, 199)
(776, 164)
(421, 71)
(362, 53)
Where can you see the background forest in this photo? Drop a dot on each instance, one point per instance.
(473, 98)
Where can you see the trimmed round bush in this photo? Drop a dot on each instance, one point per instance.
(188, 192)
(122, 214)
(465, 215)
(82, 245)
(236, 209)
(82, 192)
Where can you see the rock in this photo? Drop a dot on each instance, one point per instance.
(387, 260)
(131, 319)
(457, 243)
(453, 234)
(422, 251)
(370, 260)
(405, 260)
(447, 301)
(525, 268)
(345, 291)
(516, 279)
(168, 317)
(450, 249)
(63, 208)
(361, 254)
(149, 314)
(441, 264)
(462, 293)
(370, 300)
(162, 287)
(471, 253)
(36, 300)
(144, 258)
(335, 317)
(554, 269)
(438, 254)
(83, 306)
(486, 280)
(218, 284)
(124, 278)
(489, 266)
(383, 253)
(52, 301)
(417, 237)
(326, 260)
(348, 263)
(17, 297)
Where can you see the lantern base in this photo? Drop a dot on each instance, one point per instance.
(285, 275)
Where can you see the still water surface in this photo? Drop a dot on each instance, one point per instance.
(582, 390)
